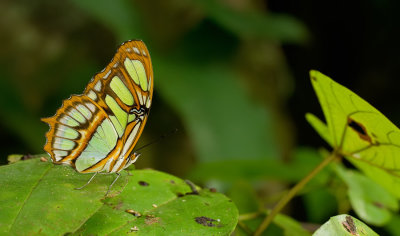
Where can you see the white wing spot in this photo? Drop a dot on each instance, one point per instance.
(136, 50)
(106, 75)
(144, 53)
(67, 120)
(148, 103)
(97, 87)
(60, 153)
(84, 111)
(129, 50)
(63, 144)
(92, 95)
(91, 107)
(115, 65)
(130, 139)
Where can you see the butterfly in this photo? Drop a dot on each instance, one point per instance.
(97, 131)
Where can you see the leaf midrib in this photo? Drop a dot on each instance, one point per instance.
(28, 196)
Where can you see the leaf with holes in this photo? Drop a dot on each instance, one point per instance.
(358, 131)
(39, 198)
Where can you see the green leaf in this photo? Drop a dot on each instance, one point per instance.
(320, 127)
(39, 198)
(369, 200)
(358, 131)
(344, 225)
(164, 208)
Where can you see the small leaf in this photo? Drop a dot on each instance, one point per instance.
(320, 127)
(370, 201)
(344, 225)
(14, 158)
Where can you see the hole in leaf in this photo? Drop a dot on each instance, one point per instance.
(360, 129)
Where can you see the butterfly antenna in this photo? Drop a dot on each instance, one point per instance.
(158, 139)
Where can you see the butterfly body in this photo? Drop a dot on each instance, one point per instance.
(98, 130)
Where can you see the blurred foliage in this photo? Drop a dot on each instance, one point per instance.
(224, 76)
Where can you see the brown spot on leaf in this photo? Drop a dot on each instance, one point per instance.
(118, 205)
(378, 204)
(143, 183)
(360, 129)
(151, 219)
(205, 221)
(172, 182)
(43, 159)
(349, 225)
(180, 194)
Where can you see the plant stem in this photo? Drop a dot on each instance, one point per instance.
(292, 192)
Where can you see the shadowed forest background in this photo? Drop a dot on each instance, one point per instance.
(231, 75)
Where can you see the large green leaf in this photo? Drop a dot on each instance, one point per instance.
(358, 131)
(344, 225)
(39, 198)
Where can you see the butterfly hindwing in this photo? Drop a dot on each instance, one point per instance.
(98, 130)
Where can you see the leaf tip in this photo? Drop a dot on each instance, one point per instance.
(314, 74)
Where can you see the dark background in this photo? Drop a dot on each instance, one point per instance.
(231, 75)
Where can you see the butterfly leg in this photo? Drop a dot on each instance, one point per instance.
(115, 180)
(90, 180)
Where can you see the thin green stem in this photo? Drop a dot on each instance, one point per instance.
(292, 192)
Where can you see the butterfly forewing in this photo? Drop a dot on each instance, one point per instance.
(121, 96)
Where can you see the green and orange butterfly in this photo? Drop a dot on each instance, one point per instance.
(97, 131)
